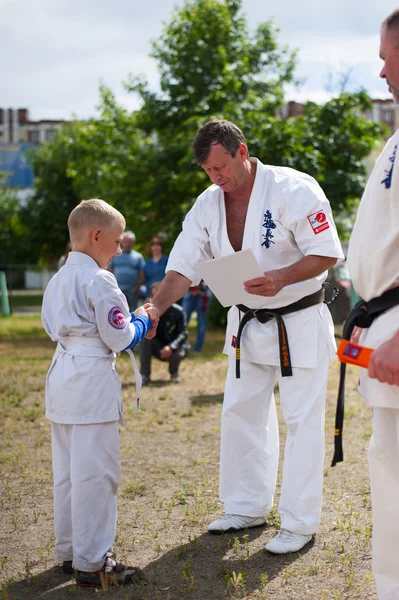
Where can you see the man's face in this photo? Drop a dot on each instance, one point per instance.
(127, 243)
(389, 53)
(228, 172)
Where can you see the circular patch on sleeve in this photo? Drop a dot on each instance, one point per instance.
(116, 318)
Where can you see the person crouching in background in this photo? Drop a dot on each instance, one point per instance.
(169, 344)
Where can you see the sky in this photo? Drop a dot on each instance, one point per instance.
(56, 53)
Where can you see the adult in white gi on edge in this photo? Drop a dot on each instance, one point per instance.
(374, 267)
(285, 218)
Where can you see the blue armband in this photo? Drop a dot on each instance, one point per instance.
(142, 324)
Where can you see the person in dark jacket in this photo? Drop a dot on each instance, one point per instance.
(169, 344)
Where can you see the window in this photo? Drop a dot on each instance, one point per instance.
(50, 133)
(34, 137)
(388, 116)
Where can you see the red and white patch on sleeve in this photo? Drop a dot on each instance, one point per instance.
(318, 221)
(116, 318)
(234, 341)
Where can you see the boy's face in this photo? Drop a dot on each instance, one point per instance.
(108, 244)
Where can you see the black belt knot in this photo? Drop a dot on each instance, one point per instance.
(263, 315)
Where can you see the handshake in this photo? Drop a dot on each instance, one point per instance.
(152, 313)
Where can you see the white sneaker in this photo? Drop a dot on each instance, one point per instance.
(287, 541)
(230, 523)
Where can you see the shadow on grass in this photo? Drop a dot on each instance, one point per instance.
(204, 568)
(206, 399)
(157, 383)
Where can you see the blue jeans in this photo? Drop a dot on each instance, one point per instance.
(200, 304)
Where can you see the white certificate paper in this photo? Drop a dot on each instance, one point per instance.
(225, 277)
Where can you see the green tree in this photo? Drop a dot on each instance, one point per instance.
(99, 158)
(13, 235)
(329, 142)
(209, 64)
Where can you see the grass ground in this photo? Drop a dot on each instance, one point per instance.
(169, 491)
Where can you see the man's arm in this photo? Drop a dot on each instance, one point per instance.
(172, 288)
(274, 281)
(384, 361)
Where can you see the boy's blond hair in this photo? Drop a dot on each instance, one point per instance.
(90, 214)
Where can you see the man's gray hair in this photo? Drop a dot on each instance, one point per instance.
(130, 234)
(217, 131)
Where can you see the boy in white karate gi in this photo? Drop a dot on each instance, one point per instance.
(86, 313)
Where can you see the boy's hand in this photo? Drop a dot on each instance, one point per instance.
(153, 314)
(140, 311)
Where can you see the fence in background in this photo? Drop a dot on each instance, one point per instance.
(24, 286)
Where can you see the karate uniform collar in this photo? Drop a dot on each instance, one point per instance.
(79, 258)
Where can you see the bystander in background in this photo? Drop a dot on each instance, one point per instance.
(169, 344)
(155, 265)
(128, 269)
(198, 299)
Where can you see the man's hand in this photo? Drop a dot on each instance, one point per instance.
(274, 281)
(384, 362)
(356, 333)
(166, 352)
(152, 313)
(268, 285)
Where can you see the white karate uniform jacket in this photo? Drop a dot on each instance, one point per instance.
(373, 261)
(87, 314)
(288, 218)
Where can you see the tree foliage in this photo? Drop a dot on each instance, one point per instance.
(210, 64)
(14, 239)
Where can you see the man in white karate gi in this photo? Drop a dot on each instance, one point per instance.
(283, 216)
(373, 261)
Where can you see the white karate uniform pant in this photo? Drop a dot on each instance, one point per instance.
(384, 479)
(86, 468)
(250, 443)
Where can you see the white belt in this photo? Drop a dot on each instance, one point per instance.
(94, 347)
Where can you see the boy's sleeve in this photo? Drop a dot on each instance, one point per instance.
(142, 324)
(113, 318)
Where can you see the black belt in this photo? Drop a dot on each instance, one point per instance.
(362, 315)
(266, 314)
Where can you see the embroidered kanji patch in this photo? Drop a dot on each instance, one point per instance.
(387, 181)
(269, 224)
(116, 318)
(318, 221)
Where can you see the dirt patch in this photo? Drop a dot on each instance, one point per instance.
(169, 493)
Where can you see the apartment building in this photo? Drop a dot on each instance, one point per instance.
(17, 134)
(16, 127)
